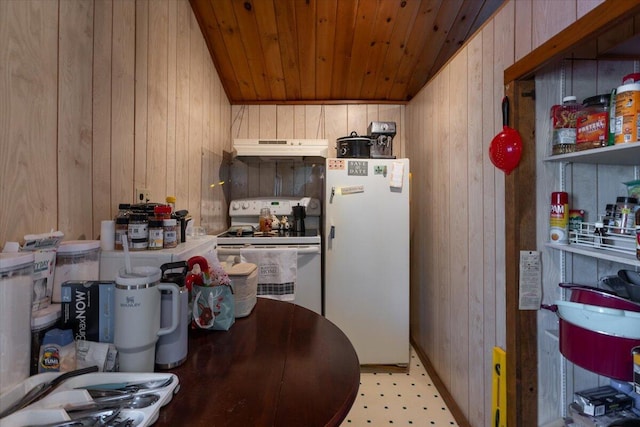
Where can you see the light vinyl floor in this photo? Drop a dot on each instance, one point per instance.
(399, 399)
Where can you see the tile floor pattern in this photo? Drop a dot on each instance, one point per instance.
(399, 399)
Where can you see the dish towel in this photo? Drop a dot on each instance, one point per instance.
(277, 271)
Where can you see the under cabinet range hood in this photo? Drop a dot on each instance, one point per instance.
(281, 149)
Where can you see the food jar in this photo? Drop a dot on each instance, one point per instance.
(138, 232)
(170, 237)
(563, 126)
(76, 260)
(265, 220)
(156, 234)
(16, 290)
(624, 219)
(628, 111)
(591, 123)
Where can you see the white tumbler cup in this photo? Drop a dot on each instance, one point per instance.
(137, 317)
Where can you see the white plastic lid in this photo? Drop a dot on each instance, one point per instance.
(139, 276)
(45, 317)
(73, 246)
(569, 98)
(170, 222)
(15, 260)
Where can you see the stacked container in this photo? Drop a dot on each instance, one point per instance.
(244, 278)
(76, 260)
(16, 289)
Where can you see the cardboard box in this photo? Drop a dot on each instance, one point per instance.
(580, 419)
(602, 400)
(88, 307)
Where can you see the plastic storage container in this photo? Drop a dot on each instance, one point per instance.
(76, 260)
(42, 322)
(592, 123)
(16, 289)
(244, 277)
(628, 110)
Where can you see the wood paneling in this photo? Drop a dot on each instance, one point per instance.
(113, 109)
(75, 138)
(28, 118)
(311, 51)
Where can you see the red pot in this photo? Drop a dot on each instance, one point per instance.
(596, 296)
(600, 353)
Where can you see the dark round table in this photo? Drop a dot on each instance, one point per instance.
(283, 365)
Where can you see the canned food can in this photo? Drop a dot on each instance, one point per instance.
(559, 218)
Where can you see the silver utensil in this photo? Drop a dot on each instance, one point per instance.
(129, 401)
(131, 385)
(102, 418)
(41, 390)
(115, 389)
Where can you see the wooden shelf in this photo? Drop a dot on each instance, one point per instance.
(597, 253)
(622, 154)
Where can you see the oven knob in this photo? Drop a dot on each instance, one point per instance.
(245, 205)
(235, 206)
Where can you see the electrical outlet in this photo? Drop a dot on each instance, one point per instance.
(143, 195)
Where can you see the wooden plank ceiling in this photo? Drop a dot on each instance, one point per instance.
(292, 51)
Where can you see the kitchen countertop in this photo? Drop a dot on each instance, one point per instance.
(283, 365)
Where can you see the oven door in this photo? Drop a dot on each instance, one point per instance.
(308, 287)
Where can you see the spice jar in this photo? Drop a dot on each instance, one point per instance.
(170, 233)
(625, 215)
(156, 234)
(591, 123)
(75, 260)
(138, 231)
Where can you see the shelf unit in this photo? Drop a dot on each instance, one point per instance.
(622, 154)
(597, 253)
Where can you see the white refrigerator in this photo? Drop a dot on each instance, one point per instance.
(366, 247)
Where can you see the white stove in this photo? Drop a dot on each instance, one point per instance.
(307, 245)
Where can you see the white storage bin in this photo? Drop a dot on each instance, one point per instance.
(244, 278)
(75, 260)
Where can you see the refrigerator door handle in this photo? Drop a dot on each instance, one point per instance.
(332, 232)
(333, 193)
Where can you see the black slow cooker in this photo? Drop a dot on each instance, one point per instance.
(354, 146)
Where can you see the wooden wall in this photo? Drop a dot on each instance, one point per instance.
(100, 97)
(253, 179)
(457, 217)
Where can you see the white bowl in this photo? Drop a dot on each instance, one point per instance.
(610, 321)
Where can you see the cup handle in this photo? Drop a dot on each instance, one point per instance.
(175, 307)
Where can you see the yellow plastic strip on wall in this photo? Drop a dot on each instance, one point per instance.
(499, 388)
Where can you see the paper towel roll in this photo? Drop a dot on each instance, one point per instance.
(107, 235)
